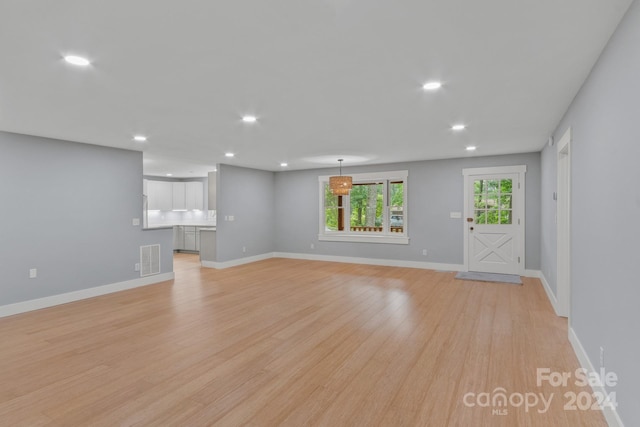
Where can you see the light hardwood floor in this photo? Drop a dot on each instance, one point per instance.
(289, 342)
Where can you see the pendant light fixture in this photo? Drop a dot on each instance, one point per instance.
(340, 185)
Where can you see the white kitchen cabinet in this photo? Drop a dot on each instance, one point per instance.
(167, 195)
(189, 238)
(198, 238)
(194, 195)
(160, 195)
(178, 237)
(179, 196)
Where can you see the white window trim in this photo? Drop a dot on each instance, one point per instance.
(349, 236)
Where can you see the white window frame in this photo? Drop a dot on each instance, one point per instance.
(367, 237)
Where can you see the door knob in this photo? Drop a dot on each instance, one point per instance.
(469, 219)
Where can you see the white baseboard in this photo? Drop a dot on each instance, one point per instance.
(552, 298)
(37, 304)
(610, 414)
(372, 261)
(236, 262)
(350, 260)
(334, 258)
(532, 273)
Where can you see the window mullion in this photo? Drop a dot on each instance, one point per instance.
(347, 214)
(386, 222)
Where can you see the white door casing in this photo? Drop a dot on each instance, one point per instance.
(494, 232)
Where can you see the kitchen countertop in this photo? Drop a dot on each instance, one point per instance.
(186, 224)
(158, 227)
(169, 226)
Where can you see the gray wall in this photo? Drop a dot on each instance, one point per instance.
(435, 189)
(248, 196)
(605, 207)
(67, 210)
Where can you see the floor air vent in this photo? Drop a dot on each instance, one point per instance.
(149, 260)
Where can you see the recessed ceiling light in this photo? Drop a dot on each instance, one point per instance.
(169, 174)
(249, 119)
(140, 138)
(229, 154)
(284, 165)
(77, 60)
(458, 127)
(471, 148)
(432, 86)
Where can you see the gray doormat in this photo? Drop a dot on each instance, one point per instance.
(489, 277)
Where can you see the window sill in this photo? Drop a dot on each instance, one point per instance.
(359, 238)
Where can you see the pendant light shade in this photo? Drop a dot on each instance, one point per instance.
(340, 185)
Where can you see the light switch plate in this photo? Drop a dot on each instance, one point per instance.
(455, 214)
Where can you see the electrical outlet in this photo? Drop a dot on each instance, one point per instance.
(601, 357)
(313, 246)
(137, 267)
(33, 273)
(424, 252)
(135, 221)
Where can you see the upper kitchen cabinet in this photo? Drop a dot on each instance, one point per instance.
(179, 196)
(160, 195)
(194, 195)
(176, 196)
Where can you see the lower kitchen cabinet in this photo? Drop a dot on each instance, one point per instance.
(186, 238)
(178, 237)
(189, 238)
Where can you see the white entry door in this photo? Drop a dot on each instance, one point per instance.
(494, 224)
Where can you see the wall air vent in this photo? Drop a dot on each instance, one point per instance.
(149, 260)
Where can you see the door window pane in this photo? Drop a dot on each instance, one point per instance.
(505, 217)
(505, 202)
(492, 185)
(493, 216)
(493, 201)
(506, 186)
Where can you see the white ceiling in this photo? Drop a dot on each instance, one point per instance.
(326, 78)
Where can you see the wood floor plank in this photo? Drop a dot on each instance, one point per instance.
(285, 342)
